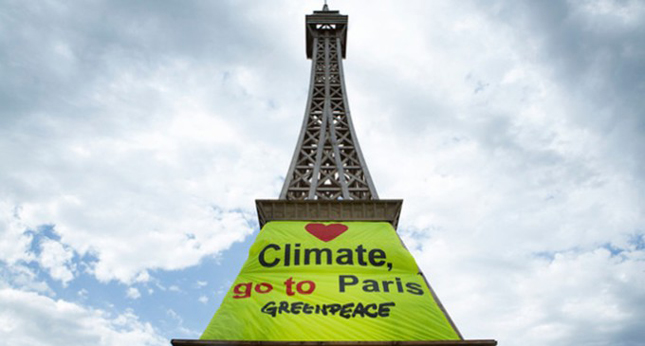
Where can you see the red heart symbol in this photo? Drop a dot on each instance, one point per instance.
(326, 232)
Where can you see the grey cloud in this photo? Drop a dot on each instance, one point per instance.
(56, 55)
(595, 51)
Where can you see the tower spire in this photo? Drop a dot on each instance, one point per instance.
(328, 163)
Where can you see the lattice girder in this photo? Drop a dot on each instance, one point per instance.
(328, 163)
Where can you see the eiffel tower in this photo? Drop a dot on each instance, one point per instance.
(328, 178)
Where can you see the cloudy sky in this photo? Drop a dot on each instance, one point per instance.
(136, 135)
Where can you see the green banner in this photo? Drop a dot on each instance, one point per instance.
(349, 281)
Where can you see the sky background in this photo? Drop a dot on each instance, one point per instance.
(136, 135)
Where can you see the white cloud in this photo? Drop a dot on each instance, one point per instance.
(157, 216)
(29, 319)
(203, 299)
(143, 276)
(14, 242)
(585, 296)
(57, 260)
(133, 293)
(24, 278)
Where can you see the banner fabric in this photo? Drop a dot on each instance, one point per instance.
(330, 281)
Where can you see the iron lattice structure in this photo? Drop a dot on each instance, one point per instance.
(327, 163)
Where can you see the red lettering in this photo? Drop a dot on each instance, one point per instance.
(267, 288)
(242, 290)
(288, 284)
(301, 290)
